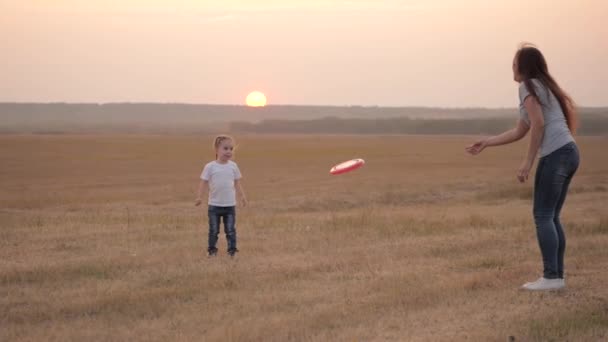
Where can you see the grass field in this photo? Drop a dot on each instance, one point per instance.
(100, 241)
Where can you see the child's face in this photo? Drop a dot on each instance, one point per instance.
(224, 151)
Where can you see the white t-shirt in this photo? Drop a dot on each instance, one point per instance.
(221, 179)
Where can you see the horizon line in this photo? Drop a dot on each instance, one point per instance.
(274, 105)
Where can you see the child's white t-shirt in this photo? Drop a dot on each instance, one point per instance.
(221, 179)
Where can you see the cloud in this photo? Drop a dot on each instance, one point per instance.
(218, 8)
(220, 18)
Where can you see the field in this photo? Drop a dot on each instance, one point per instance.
(100, 241)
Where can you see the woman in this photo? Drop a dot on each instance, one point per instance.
(549, 114)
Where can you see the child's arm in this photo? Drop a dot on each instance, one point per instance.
(203, 187)
(241, 192)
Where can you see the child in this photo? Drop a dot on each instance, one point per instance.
(221, 177)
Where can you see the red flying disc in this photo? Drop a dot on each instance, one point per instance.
(347, 166)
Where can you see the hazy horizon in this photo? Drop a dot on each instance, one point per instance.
(456, 108)
(442, 54)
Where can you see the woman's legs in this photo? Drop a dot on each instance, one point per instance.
(560, 231)
(546, 195)
(553, 176)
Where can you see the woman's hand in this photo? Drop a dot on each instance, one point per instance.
(197, 202)
(244, 201)
(477, 147)
(524, 171)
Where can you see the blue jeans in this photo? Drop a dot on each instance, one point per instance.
(553, 176)
(228, 215)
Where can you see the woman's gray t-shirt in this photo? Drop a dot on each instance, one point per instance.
(556, 131)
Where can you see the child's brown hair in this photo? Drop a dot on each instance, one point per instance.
(218, 141)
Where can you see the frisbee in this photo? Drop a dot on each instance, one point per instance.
(347, 166)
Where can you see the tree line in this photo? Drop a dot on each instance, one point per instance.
(590, 124)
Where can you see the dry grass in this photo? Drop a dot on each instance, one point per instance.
(99, 241)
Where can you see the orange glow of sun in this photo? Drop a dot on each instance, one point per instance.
(256, 99)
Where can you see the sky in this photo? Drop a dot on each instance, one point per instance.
(437, 53)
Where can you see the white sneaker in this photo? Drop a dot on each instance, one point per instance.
(544, 284)
(563, 280)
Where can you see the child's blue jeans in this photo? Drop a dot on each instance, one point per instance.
(228, 216)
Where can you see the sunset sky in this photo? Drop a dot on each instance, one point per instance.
(448, 53)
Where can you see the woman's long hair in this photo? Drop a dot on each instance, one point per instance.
(532, 64)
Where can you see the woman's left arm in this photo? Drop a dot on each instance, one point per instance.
(537, 130)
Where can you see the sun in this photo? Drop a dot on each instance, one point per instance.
(256, 99)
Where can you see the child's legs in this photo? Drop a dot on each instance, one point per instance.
(214, 227)
(229, 219)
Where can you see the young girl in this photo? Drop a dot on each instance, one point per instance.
(548, 113)
(221, 177)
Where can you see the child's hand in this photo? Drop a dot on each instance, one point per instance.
(198, 202)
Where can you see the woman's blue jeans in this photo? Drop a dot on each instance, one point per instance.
(553, 175)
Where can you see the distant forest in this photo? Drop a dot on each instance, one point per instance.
(57, 118)
(591, 124)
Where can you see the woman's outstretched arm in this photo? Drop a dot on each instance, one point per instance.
(512, 135)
